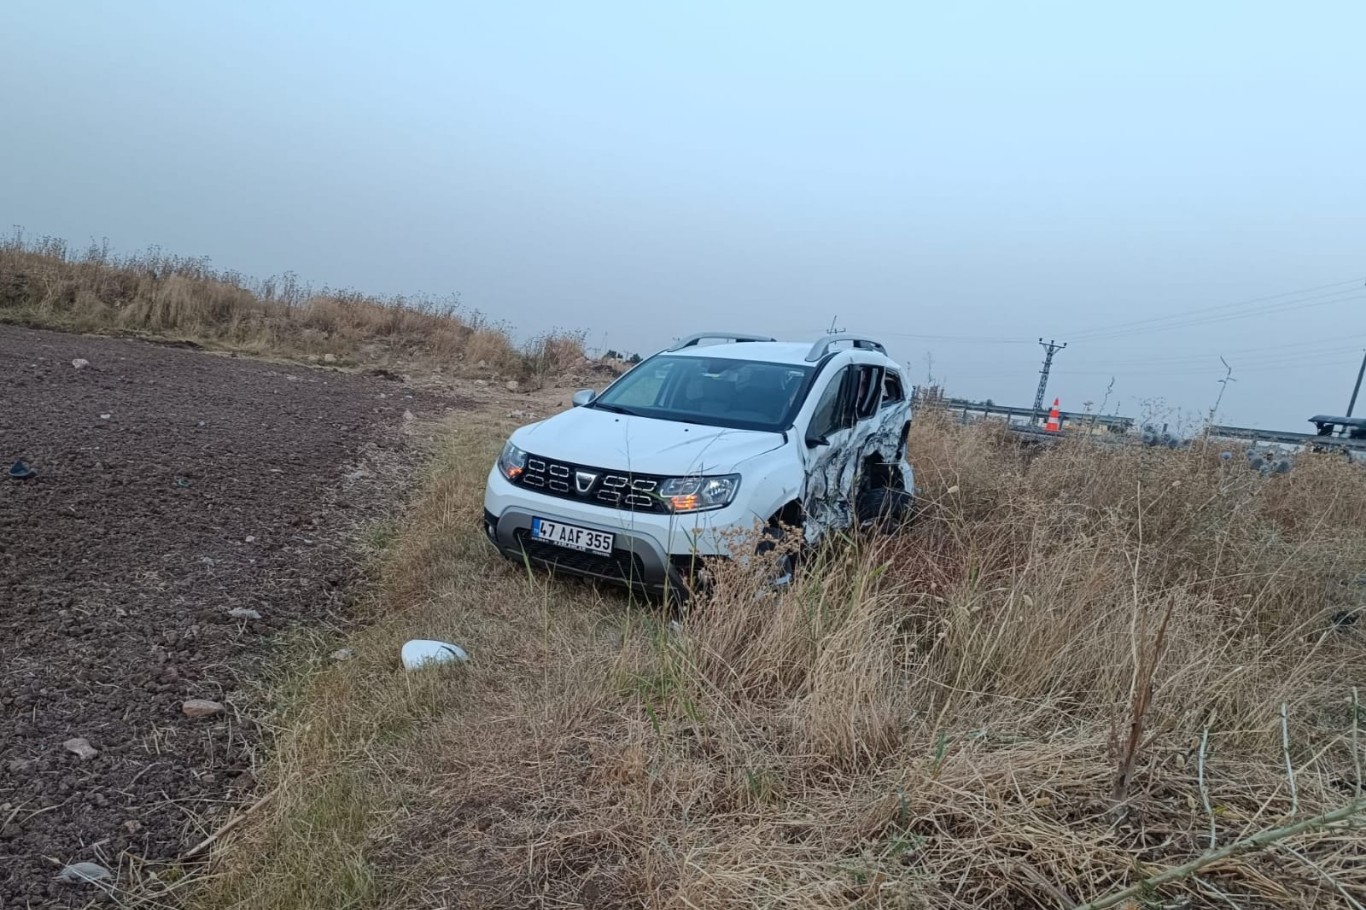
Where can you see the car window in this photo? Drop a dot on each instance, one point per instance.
(717, 391)
(827, 418)
(892, 390)
(646, 388)
(869, 391)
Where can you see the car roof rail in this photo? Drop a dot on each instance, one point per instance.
(694, 340)
(822, 347)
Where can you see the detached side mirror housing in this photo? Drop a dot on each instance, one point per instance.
(584, 397)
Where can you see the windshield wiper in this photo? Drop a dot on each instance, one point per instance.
(614, 409)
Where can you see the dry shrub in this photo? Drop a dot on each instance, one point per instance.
(44, 283)
(494, 350)
(89, 312)
(180, 305)
(448, 341)
(555, 353)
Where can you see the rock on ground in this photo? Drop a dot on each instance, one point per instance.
(81, 748)
(201, 707)
(84, 873)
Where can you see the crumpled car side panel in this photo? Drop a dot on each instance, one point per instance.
(833, 476)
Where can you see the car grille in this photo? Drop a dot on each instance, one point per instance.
(622, 565)
(598, 486)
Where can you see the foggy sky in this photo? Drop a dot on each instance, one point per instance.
(958, 179)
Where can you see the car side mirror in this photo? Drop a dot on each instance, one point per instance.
(584, 397)
(815, 441)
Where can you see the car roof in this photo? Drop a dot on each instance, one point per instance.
(787, 352)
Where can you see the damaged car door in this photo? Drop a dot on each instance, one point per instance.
(842, 432)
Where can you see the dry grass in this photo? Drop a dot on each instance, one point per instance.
(939, 720)
(43, 283)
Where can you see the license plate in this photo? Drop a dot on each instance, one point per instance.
(571, 537)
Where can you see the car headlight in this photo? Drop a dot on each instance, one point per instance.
(697, 494)
(512, 463)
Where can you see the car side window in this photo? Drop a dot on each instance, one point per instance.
(831, 410)
(892, 390)
(869, 391)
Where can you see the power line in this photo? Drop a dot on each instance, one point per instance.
(1282, 366)
(1220, 307)
(1215, 320)
(1285, 301)
(1313, 344)
(1267, 367)
(1347, 291)
(955, 339)
(1290, 350)
(1187, 320)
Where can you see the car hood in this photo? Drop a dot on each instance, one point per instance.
(644, 445)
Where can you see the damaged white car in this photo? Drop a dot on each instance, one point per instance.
(698, 444)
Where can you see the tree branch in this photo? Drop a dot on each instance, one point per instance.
(1256, 842)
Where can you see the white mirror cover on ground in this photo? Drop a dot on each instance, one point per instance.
(419, 652)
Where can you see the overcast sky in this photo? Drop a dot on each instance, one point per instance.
(958, 178)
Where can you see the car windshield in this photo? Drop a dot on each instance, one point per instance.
(718, 391)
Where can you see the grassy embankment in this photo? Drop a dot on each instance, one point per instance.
(1075, 673)
(45, 284)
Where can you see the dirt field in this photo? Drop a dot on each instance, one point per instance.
(174, 487)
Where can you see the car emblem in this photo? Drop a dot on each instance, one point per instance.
(584, 481)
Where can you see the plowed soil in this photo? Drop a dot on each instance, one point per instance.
(174, 486)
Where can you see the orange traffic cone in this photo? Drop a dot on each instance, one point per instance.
(1054, 419)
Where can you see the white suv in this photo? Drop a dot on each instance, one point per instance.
(697, 443)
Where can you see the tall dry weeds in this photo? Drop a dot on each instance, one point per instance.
(44, 283)
(951, 718)
(936, 720)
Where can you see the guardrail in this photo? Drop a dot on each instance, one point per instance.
(966, 409)
(1021, 423)
(1309, 440)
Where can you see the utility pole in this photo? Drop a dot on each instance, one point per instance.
(1223, 387)
(833, 330)
(1051, 348)
(1360, 373)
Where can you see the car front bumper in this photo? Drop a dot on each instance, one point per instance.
(651, 553)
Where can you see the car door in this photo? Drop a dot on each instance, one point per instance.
(835, 437)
